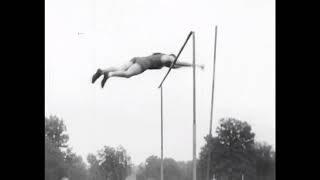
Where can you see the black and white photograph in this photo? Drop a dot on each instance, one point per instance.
(160, 90)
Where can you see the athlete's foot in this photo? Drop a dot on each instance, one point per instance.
(105, 78)
(96, 75)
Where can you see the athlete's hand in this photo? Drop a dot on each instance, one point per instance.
(202, 67)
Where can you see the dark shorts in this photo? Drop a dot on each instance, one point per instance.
(144, 63)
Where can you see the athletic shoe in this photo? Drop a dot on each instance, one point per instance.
(96, 75)
(105, 78)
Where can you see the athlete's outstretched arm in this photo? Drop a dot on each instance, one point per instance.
(180, 64)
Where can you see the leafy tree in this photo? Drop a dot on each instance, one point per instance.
(265, 161)
(111, 163)
(171, 170)
(151, 169)
(75, 166)
(60, 163)
(216, 149)
(186, 169)
(55, 131)
(231, 151)
(234, 152)
(95, 172)
(55, 167)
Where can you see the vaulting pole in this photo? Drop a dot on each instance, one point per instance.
(194, 110)
(174, 62)
(161, 134)
(211, 113)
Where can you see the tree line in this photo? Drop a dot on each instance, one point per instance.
(107, 163)
(234, 154)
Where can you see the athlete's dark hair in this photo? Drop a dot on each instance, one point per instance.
(156, 53)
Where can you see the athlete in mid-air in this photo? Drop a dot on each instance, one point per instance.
(138, 65)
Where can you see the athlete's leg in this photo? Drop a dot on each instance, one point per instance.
(133, 70)
(103, 71)
(100, 72)
(126, 66)
(110, 69)
(121, 68)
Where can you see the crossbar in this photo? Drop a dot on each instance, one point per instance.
(174, 62)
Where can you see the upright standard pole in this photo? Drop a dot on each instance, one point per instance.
(194, 111)
(161, 135)
(211, 111)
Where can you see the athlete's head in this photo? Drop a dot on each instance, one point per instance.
(173, 55)
(169, 60)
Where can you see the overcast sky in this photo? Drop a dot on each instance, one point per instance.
(127, 111)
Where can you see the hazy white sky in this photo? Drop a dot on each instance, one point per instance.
(127, 111)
